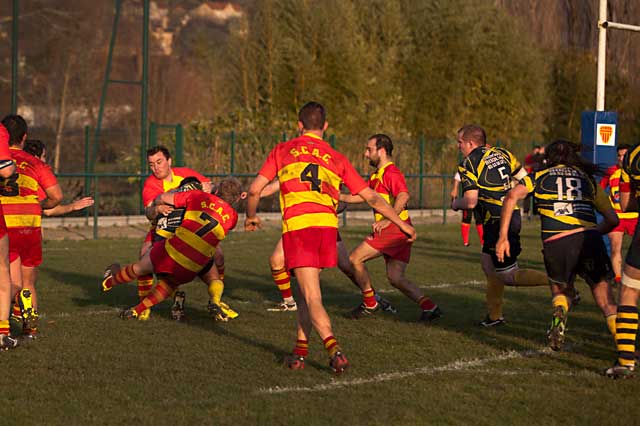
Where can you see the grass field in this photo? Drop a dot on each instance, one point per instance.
(90, 367)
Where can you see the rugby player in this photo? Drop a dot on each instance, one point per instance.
(567, 195)
(7, 167)
(628, 220)
(487, 175)
(387, 239)
(20, 196)
(188, 251)
(467, 215)
(310, 173)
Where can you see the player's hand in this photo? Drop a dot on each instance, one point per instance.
(454, 206)
(82, 203)
(409, 231)
(379, 226)
(252, 223)
(164, 209)
(503, 249)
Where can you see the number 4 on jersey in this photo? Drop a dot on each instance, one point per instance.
(310, 174)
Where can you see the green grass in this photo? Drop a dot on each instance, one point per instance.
(90, 367)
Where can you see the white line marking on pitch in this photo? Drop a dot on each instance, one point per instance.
(386, 377)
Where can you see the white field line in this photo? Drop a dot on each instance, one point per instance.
(459, 365)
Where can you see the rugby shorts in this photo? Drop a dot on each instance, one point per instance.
(25, 244)
(491, 235)
(627, 226)
(313, 247)
(392, 243)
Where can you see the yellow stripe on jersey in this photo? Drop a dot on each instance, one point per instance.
(308, 220)
(29, 199)
(196, 242)
(218, 231)
(294, 171)
(181, 259)
(23, 220)
(293, 198)
(569, 220)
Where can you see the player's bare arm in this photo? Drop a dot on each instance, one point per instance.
(252, 221)
(604, 207)
(62, 209)
(376, 202)
(400, 203)
(467, 202)
(351, 199)
(508, 206)
(270, 189)
(54, 197)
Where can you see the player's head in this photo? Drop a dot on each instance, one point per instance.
(36, 148)
(622, 150)
(159, 160)
(312, 116)
(190, 183)
(379, 147)
(17, 128)
(230, 190)
(470, 137)
(566, 153)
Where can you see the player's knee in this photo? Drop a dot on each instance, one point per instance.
(395, 279)
(355, 260)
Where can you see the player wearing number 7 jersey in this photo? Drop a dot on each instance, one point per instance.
(567, 196)
(310, 173)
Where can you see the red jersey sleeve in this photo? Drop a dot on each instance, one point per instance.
(232, 222)
(270, 167)
(394, 180)
(351, 178)
(152, 188)
(46, 178)
(5, 155)
(180, 198)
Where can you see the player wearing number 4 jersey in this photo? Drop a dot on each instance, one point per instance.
(180, 258)
(567, 196)
(310, 173)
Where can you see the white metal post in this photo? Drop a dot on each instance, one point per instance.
(602, 55)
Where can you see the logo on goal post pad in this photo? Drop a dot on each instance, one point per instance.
(606, 134)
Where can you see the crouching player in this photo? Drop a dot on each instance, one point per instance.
(180, 258)
(566, 195)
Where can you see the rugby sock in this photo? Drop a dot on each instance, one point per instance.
(15, 310)
(4, 327)
(301, 348)
(480, 230)
(495, 296)
(282, 278)
(124, 275)
(611, 324)
(215, 289)
(331, 344)
(530, 278)
(618, 279)
(220, 269)
(145, 284)
(561, 300)
(369, 297)
(160, 292)
(464, 230)
(626, 331)
(426, 304)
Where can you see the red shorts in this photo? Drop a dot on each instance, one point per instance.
(164, 264)
(3, 225)
(25, 244)
(627, 226)
(149, 237)
(313, 247)
(392, 243)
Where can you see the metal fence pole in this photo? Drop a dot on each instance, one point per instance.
(421, 185)
(232, 160)
(87, 160)
(179, 145)
(444, 200)
(96, 197)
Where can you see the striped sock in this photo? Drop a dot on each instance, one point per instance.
(331, 345)
(145, 284)
(426, 304)
(301, 348)
(561, 300)
(369, 297)
(611, 324)
(626, 331)
(283, 280)
(4, 327)
(15, 309)
(220, 269)
(160, 292)
(124, 275)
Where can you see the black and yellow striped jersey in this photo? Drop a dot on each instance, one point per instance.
(566, 198)
(491, 171)
(631, 170)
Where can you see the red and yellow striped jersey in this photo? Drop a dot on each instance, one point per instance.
(207, 221)
(613, 181)
(310, 173)
(20, 193)
(5, 154)
(388, 181)
(154, 186)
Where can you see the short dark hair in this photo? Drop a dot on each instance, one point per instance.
(159, 148)
(312, 116)
(17, 128)
(473, 133)
(190, 183)
(566, 152)
(383, 141)
(622, 146)
(229, 189)
(34, 147)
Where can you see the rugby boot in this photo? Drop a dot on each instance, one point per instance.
(294, 362)
(216, 312)
(338, 363)
(230, 313)
(385, 305)
(7, 342)
(555, 335)
(144, 315)
(29, 314)
(488, 322)
(107, 277)
(284, 307)
(128, 314)
(619, 372)
(429, 315)
(177, 309)
(363, 311)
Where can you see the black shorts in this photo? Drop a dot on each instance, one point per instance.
(583, 254)
(633, 254)
(468, 214)
(491, 235)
